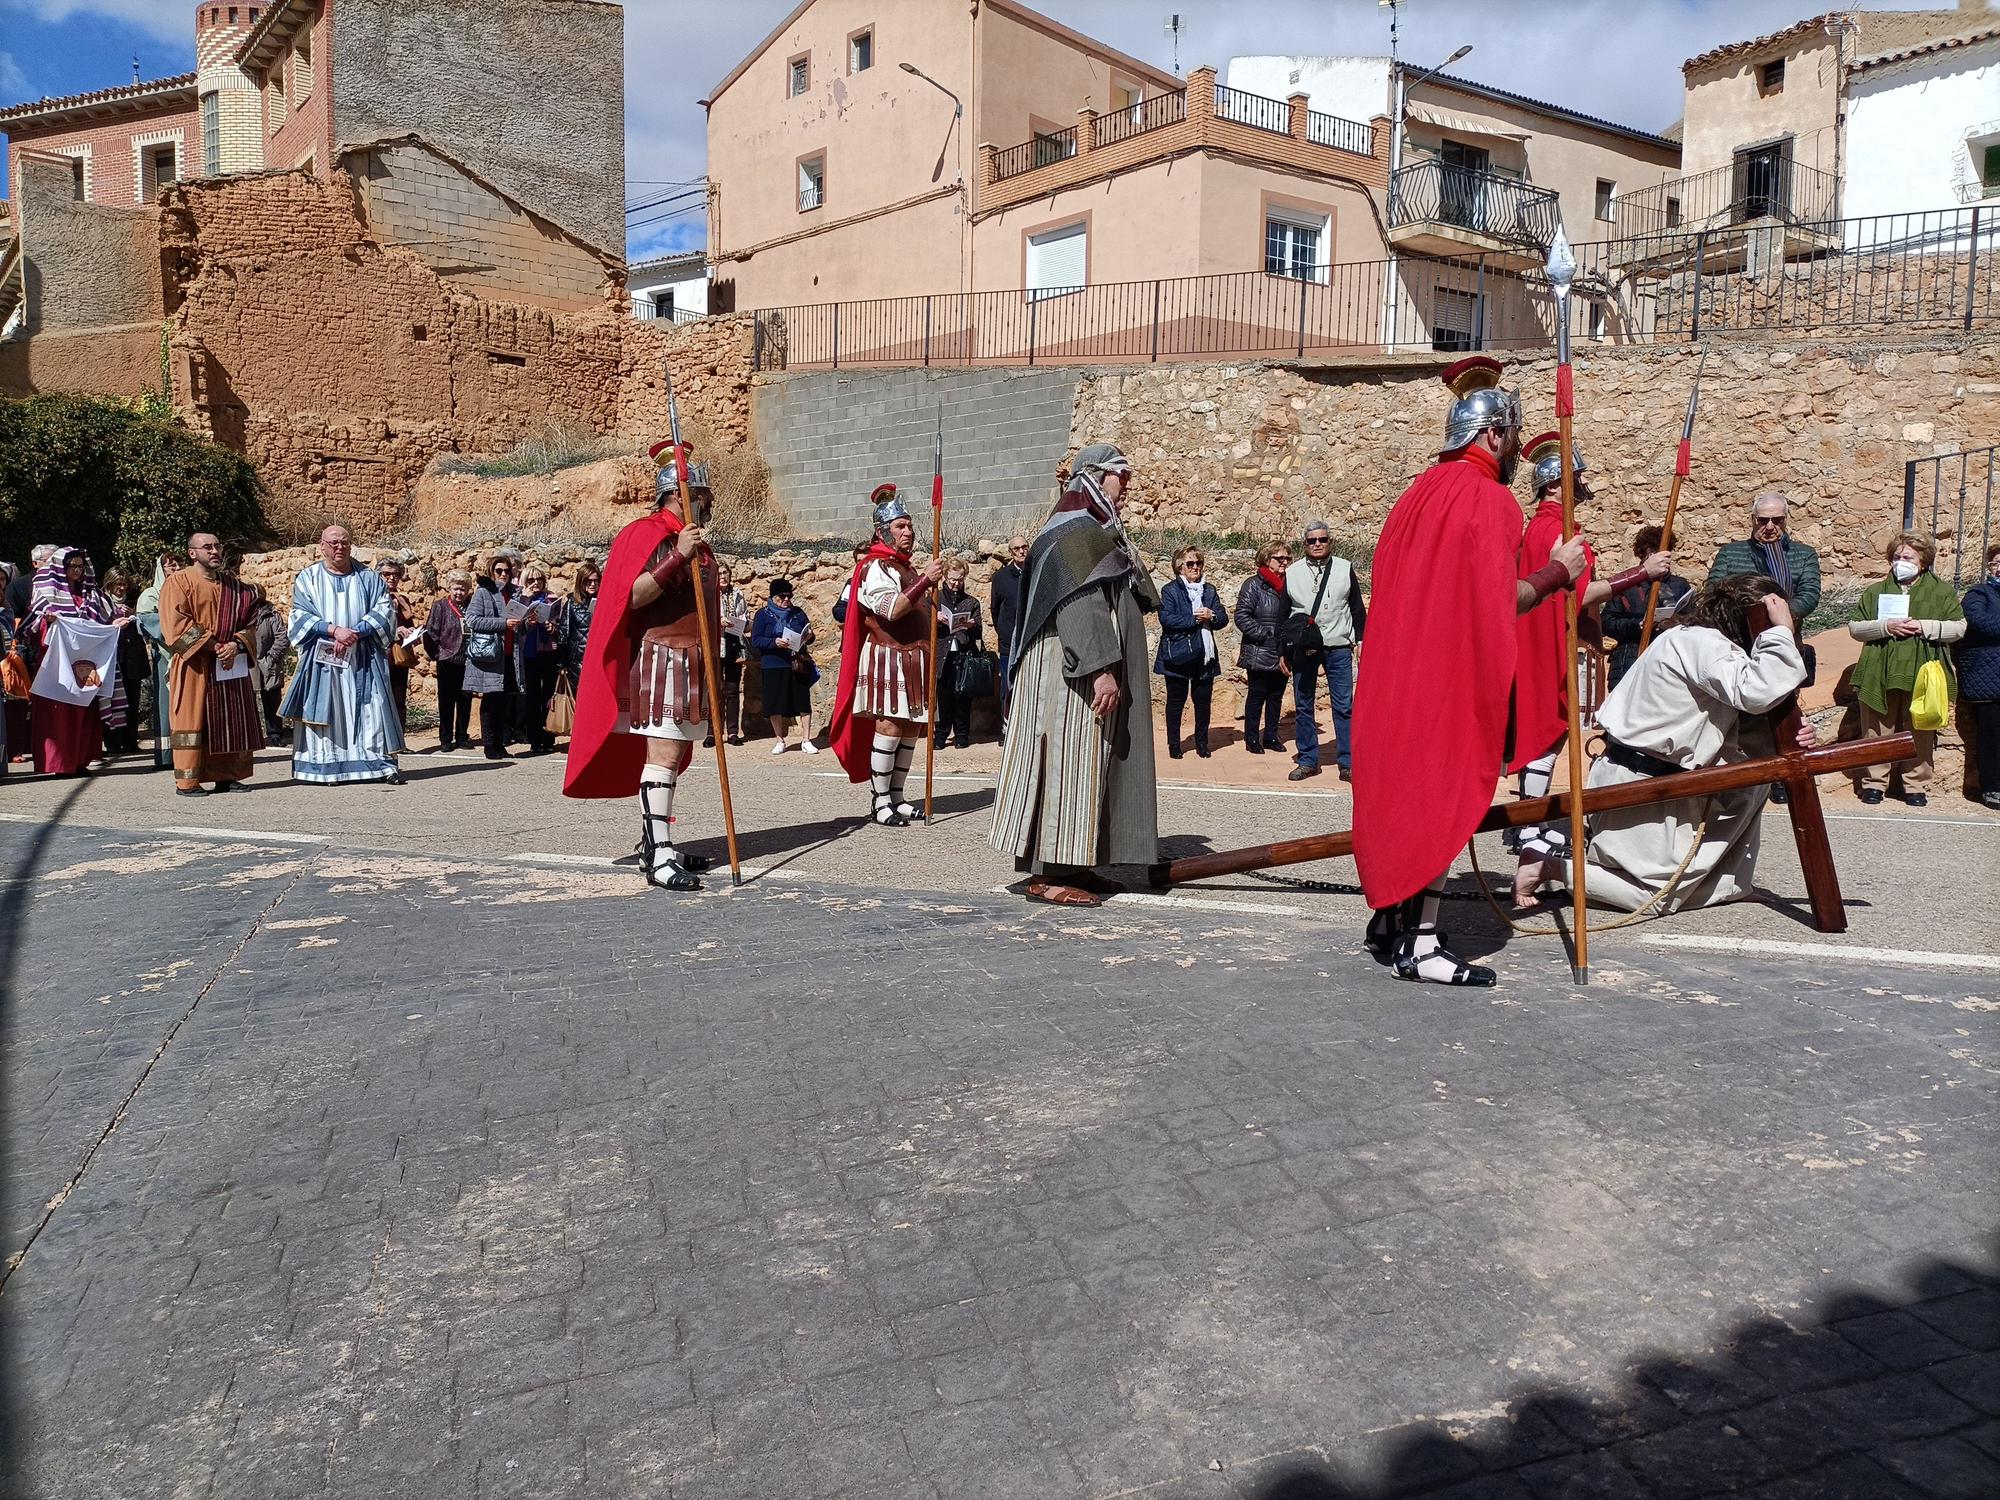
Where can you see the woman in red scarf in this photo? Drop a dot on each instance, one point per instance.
(1261, 608)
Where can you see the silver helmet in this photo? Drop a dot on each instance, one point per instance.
(1482, 402)
(1545, 453)
(668, 480)
(888, 508)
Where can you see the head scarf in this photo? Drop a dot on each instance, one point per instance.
(52, 595)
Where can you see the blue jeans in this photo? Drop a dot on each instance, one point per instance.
(1339, 667)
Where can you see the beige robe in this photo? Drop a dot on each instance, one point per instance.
(1695, 698)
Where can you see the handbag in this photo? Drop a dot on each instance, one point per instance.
(401, 655)
(1300, 644)
(978, 675)
(1930, 697)
(1181, 651)
(562, 707)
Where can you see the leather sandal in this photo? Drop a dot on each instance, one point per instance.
(1051, 894)
(1408, 962)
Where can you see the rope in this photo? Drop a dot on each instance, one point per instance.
(1694, 848)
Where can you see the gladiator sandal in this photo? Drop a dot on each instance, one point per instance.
(656, 804)
(908, 811)
(1421, 955)
(885, 813)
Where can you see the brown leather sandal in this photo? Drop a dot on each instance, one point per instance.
(1052, 894)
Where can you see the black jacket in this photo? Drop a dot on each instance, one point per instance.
(1624, 618)
(1006, 602)
(1260, 610)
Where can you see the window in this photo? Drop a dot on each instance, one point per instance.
(812, 182)
(76, 179)
(1761, 182)
(798, 76)
(232, 15)
(861, 51)
(1292, 244)
(1673, 213)
(1057, 261)
(1462, 176)
(1455, 317)
(302, 68)
(158, 163)
(1771, 77)
(1989, 172)
(1598, 320)
(211, 133)
(1607, 200)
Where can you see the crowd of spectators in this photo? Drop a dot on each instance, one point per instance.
(504, 639)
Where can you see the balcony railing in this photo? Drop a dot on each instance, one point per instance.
(1254, 110)
(1059, 145)
(1137, 119)
(1755, 187)
(1342, 135)
(1486, 203)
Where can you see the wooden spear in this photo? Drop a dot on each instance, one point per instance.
(937, 550)
(1561, 270)
(710, 676)
(1682, 459)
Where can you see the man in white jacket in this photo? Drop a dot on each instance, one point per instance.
(1326, 589)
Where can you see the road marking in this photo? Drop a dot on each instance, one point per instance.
(1899, 957)
(1186, 903)
(254, 835)
(1914, 819)
(583, 861)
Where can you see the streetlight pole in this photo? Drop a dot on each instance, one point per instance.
(1392, 304)
(964, 193)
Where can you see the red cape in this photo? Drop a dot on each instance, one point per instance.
(853, 738)
(602, 761)
(1430, 710)
(1541, 697)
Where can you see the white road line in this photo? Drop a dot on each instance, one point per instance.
(1894, 957)
(583, 861)
(253, 835)
(1196, 903)
(1915, 820)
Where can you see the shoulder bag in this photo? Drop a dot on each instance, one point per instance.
(1299, 641)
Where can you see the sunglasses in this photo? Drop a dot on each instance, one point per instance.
(1762, 521)
(1281, 557)
(1319, 541)
(1194, 562)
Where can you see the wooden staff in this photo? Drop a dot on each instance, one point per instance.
(1683, 457)
(1795, 768)
(937, 550)
(1561, 270)
(709, 673)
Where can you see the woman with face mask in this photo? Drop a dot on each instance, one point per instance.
(1908, 619)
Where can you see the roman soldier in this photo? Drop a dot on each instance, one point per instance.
(641, 700)
(882, 708)
(1431, 711)
(1543, 674)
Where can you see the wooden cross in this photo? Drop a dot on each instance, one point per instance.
(1793, 768)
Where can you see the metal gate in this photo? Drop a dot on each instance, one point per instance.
(1958, 488)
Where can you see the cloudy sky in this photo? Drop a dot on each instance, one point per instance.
(1616, 58)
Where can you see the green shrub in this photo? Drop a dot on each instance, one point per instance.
(123, 484)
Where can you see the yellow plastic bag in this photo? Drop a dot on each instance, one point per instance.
(1930, 698)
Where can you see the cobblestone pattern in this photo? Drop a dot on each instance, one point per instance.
(796, 1193)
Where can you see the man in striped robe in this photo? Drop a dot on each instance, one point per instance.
(208, 623)
(1076, 782)
(339, 700)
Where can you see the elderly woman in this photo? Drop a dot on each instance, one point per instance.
(1261, 607)
(960, 635)
(1908, 619)
(491, 668)
(402, 622)
(1190, 613)
(538, 650)
(444, 643)
(1979, 674)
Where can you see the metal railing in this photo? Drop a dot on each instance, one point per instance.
(1754, 188)
(1432, 191)
(1938, 270)
(1343, 135)
(1967, 479)
(1274, 115)
(1137, 119)
(647, 311)
(1057, 145)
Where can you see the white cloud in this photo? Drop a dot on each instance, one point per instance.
(13, 82)
(169, 20)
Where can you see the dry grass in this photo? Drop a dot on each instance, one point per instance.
(293, 520)
(556, 446)
(744, 510)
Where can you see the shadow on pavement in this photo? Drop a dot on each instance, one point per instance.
(1879, 1399)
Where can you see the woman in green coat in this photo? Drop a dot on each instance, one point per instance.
(1909, 618)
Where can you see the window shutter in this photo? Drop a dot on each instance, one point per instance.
(1056, 259)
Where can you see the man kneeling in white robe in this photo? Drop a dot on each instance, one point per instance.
(1696, 698)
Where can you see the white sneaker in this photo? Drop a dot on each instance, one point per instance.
(809, 747)
(780, 748)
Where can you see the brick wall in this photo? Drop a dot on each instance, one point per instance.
(113, 171)
(298, 123)
(87, 264)
(829, 438)
(469, 233)
(341, 365)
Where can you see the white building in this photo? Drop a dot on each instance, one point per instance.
(1923, 127)
(674, 287)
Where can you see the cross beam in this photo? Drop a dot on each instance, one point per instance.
(1795, 771)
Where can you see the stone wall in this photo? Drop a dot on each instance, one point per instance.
(830, 437)
(342, 365)
(1255, 450)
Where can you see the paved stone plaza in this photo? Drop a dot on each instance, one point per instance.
(371, 1171)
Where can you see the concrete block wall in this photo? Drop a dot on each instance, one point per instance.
(829, 437)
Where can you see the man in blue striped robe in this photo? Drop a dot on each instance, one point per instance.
(340, 626)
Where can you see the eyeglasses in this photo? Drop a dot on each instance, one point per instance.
(1193, 562)
(1281, 557)
(1760, 522)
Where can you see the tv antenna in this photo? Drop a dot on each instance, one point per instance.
(1174, 27)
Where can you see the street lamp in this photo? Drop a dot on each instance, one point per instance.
(1404, 83)
(957, 112)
